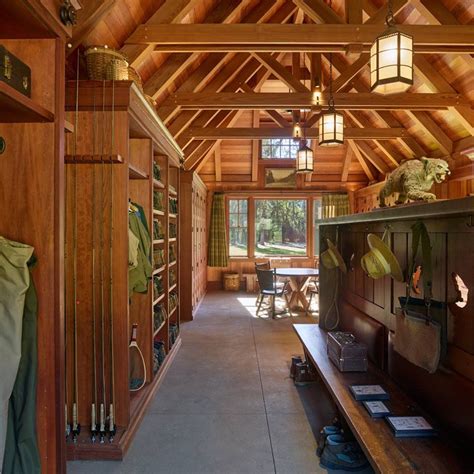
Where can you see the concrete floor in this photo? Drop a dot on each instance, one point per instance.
(227, 404)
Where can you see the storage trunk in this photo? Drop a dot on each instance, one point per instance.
(14, 72)
(347, 354)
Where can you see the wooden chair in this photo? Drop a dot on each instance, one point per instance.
(270, 288)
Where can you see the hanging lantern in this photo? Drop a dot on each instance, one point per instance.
(331, 123)
(304, 158)
(391, 60)
(297, 131)
(331, 128)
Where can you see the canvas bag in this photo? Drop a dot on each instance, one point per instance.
(420, 331)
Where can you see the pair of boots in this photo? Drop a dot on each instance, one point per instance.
(300, 371)
(337, 452)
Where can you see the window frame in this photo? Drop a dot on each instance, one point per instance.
(229, 227)
(292, 145)
(251, 197)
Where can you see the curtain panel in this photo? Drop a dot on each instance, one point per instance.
(335, 205)
(218, 255)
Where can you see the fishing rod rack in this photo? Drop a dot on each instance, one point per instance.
(112, 158)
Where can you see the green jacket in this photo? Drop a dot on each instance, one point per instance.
(139, 276)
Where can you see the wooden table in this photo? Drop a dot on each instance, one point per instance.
(386, 453)
(299, 280)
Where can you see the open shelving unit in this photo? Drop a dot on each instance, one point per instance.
(32, 195)
(141, 140)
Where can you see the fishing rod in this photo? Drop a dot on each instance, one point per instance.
(76, 427)
(94, 345)
(102, 430)
(112, 427)
(67, 428)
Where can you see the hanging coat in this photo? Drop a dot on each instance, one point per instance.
(139, 276)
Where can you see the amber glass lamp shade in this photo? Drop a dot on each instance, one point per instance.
(331, 128)
(304, 159)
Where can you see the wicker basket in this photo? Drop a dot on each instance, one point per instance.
(135, 77)
(231, 282)
(105, 64)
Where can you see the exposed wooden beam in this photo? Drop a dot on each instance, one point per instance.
(172, 11)
(315, 70)
(217, 163)
(464, 145)
(260, 133)
(372, 156)
(88, 18)
(439, 37)
(435, 12)
(378, 17)
(281, 72)
(278, 118)
(350, 101)
(361, 159)
(319, 11)
(434, 130)
(350, 72)
(255, 145)
(354, 11)
(346, 163)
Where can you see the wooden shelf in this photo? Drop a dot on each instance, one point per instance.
(68, 127)
(159, 241)
(159, 299)
(173, 216)
(172, 264)
(17, 108)
(156, 212)
(135, 173)
(162, 325)
(172, 192)
(172, 239)
(159, 270)
(172, 311)
(90, 159)
(172, 288)
(158, 184)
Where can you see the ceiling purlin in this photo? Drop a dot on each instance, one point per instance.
(257, 15)
(172, 11)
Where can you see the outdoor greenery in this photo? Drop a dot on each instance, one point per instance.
(279, 148)
(280, 227)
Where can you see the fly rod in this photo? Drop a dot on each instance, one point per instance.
(112, 428)
(102, 430)
(67, 428)
(76, 427)
(94, 337)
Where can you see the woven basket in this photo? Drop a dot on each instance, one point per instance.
(231, 282)
(105, 64)
(135, 77)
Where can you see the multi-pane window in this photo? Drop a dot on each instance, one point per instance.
(279, 148)
(238, 227)
(280, 227)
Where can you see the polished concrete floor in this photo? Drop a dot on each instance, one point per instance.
(227, 404)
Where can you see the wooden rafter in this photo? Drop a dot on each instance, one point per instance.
(283, 100)
(354, 11)
(260, 133)
(372, 156)
(350, 72)
(217, 163)
(365, 166)
(427, 38)
(346, 164)
(278, 118)
(172, 11)
(378, 16)
(433, 129)
(255, 146)
(319, 11)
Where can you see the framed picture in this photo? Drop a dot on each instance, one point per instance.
(280, 177)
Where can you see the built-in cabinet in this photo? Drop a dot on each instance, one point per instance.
(119, 156)
(193, 208)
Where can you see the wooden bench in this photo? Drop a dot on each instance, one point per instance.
(386, 453)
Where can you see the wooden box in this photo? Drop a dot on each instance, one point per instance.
(14, 72)
(347, 354)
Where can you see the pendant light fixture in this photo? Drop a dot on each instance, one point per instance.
(331, 122)
(304, 158)
(297, 131)
(391, 59)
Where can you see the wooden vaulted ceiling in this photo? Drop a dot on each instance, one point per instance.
(210, 94)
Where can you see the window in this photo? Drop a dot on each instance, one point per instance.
(318, 215)
(238, 228)
(280, 227)
(280, 148)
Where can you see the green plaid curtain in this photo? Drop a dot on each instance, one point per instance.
(217, 251)
(335, 205)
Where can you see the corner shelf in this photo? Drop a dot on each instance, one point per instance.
(158, 184)
(159, 299)
(136, 173)
(17, 108)
(159, 270)
(162, 325)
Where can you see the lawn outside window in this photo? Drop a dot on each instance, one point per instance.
(238, 227)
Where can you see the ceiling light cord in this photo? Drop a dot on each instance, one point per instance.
(390, 19)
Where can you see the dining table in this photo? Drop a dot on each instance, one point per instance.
(299, 279)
